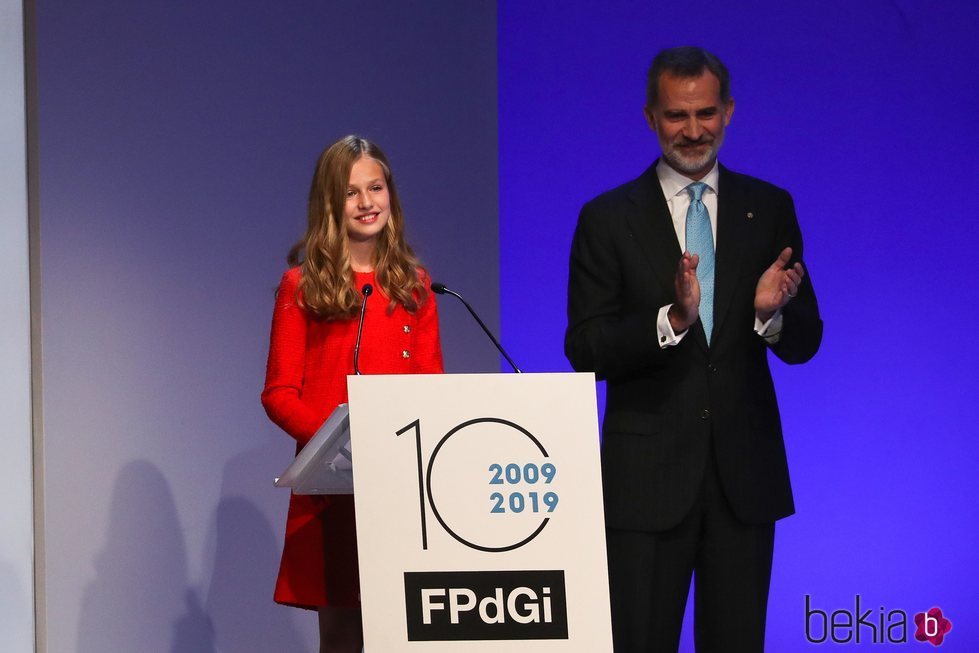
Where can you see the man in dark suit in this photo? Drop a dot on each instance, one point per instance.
(693, 461)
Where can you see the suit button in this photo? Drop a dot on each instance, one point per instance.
(711, 368)
(405, 353)
(407, 329)
(705, 414)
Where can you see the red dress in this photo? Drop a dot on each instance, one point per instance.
(306, 378)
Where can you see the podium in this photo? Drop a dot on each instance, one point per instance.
(325, 464)
(479, 510)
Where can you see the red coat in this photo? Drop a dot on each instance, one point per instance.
(306, 378)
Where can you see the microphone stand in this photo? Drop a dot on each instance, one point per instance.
(440, 289)
(366, 291)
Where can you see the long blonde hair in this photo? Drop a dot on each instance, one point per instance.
(326, 285)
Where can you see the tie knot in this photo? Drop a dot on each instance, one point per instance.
(696, 190)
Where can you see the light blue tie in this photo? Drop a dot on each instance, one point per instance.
(701, 242)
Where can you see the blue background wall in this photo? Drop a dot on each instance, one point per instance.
(865, 111)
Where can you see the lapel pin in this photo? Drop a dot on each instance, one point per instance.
(750, 215)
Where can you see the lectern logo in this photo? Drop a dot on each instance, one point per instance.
(485, 605)
(489, 483)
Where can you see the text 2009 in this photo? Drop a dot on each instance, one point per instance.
(529, 474)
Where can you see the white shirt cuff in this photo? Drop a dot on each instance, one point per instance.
(771, 330)
(664, 331)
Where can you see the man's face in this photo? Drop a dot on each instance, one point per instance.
(689, 120)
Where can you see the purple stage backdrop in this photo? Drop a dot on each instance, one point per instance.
(177, 143)
(864, 111)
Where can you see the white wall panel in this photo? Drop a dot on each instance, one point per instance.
(16, 514)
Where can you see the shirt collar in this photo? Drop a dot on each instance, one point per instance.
(673, 183)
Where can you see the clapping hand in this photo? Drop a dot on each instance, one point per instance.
(777, 285)
(686, 309)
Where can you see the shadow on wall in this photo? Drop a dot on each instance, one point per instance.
(246, 558)
(246, 550)
(140, 599)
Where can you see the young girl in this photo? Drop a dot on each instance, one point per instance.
(355, 237)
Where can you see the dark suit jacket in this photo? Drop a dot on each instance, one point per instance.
(665, 406)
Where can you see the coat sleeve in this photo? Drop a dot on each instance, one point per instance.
(607, 333)
(802, 328)
(282, 396)
(427, 355)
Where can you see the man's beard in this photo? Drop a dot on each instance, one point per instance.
(691, 165)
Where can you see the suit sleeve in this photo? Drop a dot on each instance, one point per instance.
(802, 328)
(286, 365)
(607, 334)
(427, 357)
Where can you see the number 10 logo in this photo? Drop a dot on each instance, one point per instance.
(491, 479)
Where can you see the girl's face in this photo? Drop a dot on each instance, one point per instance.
(367, 208)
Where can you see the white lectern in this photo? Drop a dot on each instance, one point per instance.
(479, 511)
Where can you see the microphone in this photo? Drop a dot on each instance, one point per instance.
(366, 292)
(440, 289)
